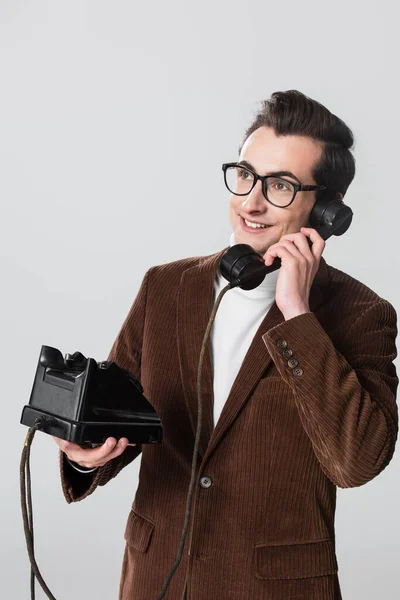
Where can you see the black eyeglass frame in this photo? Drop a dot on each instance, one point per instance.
(298, 187)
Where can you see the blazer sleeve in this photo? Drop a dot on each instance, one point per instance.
(126, 352)
(346, 402)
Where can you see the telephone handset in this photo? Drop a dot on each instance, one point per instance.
(243, 267)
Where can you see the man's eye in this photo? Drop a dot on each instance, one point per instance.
(280, 186)
(243, 174)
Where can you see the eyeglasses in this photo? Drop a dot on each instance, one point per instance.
(240, 180)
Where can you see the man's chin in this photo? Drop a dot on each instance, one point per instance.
(259, 245)
(260, 249)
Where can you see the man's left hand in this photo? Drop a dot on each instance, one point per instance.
(299, 266)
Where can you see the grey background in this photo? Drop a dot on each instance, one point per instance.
(115, 118)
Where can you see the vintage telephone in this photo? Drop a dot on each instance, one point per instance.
(83, 401)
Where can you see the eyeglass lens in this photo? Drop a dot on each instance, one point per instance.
(240, 181)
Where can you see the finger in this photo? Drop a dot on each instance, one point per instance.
(279, 251)
(318, 243)
(118, 450)
(64, 445)
(290, 247)
(293, 249)
(92, 455)
(300, 240)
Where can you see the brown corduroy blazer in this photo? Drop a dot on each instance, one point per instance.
(286, 437)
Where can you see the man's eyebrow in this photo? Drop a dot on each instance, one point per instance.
(245, 163)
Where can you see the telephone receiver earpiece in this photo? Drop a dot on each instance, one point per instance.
(243, 267)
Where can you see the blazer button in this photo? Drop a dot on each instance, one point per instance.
(297, 372)
(287, 353)
(281, 344)
(205, 482)
(292, 363)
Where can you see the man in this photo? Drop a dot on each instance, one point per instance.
(298, 390)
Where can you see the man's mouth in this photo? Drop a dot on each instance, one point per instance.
(252, 225)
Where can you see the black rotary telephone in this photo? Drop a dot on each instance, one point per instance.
(243, 267)
(84, 402)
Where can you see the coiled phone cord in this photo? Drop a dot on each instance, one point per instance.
(25, 475)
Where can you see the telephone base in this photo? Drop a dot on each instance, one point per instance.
(93, 433)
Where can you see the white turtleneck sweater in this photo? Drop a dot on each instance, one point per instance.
(237, 320)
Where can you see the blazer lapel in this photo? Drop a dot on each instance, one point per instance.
(195, 303)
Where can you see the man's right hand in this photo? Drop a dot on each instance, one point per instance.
(93, 457)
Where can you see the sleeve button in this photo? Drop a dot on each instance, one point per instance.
(298, 372)
(287, 353)
(292, 362)
(281, 344)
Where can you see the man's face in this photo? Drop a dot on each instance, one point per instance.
(268, 153)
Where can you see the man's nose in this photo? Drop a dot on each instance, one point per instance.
(255, 201)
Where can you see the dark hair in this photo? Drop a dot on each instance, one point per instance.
(293, 113)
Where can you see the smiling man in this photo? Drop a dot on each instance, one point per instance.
(269, 213)
(298, 389)
(286, 159)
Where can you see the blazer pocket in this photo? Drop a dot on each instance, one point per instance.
(296, 561)
(138, 531)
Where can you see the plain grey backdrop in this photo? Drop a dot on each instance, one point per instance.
(115, 118)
